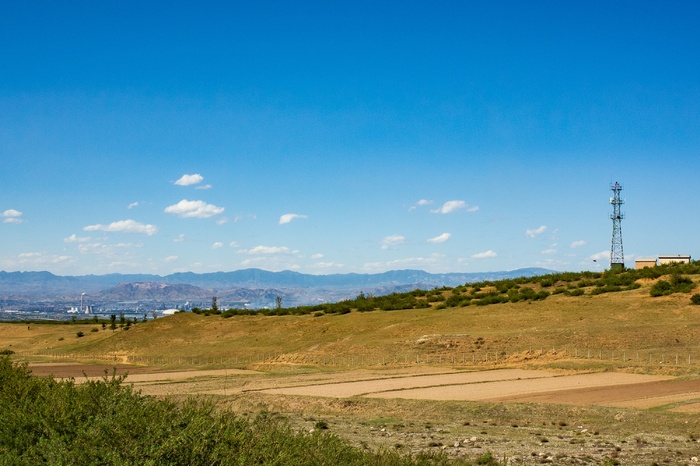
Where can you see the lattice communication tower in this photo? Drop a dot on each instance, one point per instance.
(617, 256)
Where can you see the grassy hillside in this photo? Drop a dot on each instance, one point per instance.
(567, 316)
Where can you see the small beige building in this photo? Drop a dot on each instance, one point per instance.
(644, 262)
(674, 258)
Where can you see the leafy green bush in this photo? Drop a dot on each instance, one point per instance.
(695, 299)
(661, 288)
(676, 284)
(43, 421)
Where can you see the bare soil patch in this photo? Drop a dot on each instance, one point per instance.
(67, 370)
(514, 386)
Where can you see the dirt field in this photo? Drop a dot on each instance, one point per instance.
(548, 417)
(504, 385)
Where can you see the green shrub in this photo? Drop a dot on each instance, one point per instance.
(661, 288)
(676, 284)
(44, 421)
(695, 299)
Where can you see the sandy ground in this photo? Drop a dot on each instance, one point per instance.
(522, 386)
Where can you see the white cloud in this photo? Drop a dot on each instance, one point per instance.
(536, 232)
(12, 216)
(76, 239)
(193, 209)
(317, 256)
(204, 186)
(287, 218)
(12, 213)
(328, 265)
(453, 206)
(549, 251)
(421, 203)
(601, 256)
(180, 238)
(109, 250)
(188, 180)
(170, 259)
(234, 244)
(441, 238)
(132, 205)
(392, 240)
(35, 259)
(484, 255)
(432, 262)
(124, 226)
(217, 245)
(269, 250)
(578, 244)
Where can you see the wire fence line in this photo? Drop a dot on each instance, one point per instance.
(472, 358)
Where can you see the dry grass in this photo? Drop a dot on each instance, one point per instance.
(629, 321)
(527, 332)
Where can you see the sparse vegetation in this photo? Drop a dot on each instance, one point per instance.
(512, 290)
(677, 284)
(43, 421)
(520, 330)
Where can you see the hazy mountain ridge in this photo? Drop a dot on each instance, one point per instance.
(255, 287)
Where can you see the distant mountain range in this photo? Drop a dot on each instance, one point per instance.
(252, 287)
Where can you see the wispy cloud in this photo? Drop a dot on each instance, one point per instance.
(188, 180)
(432, 262)
(269, 250)
(204, 186)
(601, 256)
(170, 259)
(12, 216)
(578, 244)
(328, 265)
(180, 238)
(453, 206)
(421, 203)
(132, 205)
(440, 238)
(234, 244)
(35, 259)
(109, 250)
(76, 239)
(193, 209)
(217, 245)
(535, 232)
(549, 251)
(287, 218)
(484, 255)
(392, 241)
(124, 226)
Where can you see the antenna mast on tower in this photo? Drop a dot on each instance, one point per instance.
(617, 257)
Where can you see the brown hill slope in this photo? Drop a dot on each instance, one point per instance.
(629, 325)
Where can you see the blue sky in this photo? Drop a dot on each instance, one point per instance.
(336, 137)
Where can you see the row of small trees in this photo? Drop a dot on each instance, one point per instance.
(483, 293)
